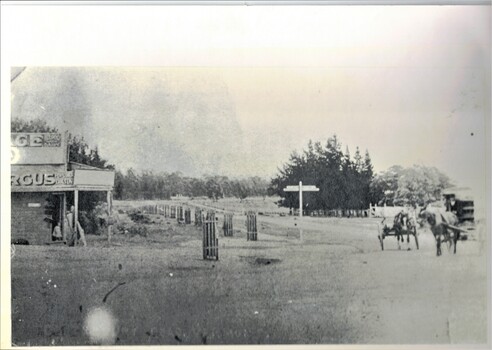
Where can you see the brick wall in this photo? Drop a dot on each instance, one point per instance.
(28, 222)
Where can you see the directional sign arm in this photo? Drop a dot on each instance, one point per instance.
(304, 188)
(310, 188)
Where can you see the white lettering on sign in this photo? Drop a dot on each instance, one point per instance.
(41, 179)
(35, 140)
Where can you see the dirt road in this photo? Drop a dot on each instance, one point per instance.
(335, 286)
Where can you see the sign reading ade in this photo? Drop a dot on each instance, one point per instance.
(38, 148)
(35, 140)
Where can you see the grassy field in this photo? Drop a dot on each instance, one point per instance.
(333, 286)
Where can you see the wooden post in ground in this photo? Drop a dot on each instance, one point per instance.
(179, 214)
(187, 218)
(227, 227)
(110, 216)
(75, 215)
(210, 241)
(251, 228)
(63, 219)
(198, 217)
(301, 189)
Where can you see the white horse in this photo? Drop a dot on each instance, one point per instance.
(442, 226)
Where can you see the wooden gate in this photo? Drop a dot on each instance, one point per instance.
(198, 217)
(180, 214)
(227, 227)
(251, 229)
(187, 214)
(210, 241)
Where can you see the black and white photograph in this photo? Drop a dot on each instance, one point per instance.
(245, 175)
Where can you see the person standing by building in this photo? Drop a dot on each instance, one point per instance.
(57, 233)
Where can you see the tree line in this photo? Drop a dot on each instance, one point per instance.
(149, 185)
(416, 185)
(345, 182)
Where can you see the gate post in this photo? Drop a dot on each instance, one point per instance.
(227, 227)
(210, 242)
(198, 217)
(187, 216)
(179, 214)
(252, 232)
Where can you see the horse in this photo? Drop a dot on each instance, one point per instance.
(403, 223)
(441, 224)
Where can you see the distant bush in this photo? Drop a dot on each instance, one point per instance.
(137, 230)
(122, 228)
(131, 229)
(139, 218)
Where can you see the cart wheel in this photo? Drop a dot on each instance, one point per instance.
(416, 238)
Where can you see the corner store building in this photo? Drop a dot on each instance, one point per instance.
(44, 184)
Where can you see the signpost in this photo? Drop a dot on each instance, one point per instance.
(301, 188)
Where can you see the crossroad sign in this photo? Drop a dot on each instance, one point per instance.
(300, 189)
(304, 188)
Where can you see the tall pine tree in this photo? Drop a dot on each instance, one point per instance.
(342, 181)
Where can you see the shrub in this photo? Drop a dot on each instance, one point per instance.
(139, 218)
(138, 230)
(90, 222)
(131, 229)
(121, 228)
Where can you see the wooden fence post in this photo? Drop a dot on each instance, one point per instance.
(227, 227)
(198, 217)
(252, 232)
(210, 241)
(187, 215)
(179, 214)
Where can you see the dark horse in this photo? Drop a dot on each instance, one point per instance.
(403, 223)
(442, 226)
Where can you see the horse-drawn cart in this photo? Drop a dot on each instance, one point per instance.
(403, 225)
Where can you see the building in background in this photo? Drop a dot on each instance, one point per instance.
(44, 184)
(459, 200)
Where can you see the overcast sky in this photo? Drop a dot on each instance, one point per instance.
(237, 89)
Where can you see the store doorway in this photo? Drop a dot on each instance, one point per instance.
(55, 214)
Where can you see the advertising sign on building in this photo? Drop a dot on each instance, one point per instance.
(41, 179)
(38, 148)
